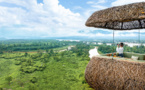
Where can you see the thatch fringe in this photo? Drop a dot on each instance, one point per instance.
(125, 17)
(107, 74)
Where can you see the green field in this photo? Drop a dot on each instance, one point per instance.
(45, 71)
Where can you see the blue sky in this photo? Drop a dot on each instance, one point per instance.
(23, 19)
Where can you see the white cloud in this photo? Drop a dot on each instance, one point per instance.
(98, 2)
(90, 2)
(123, 2)
(99, 7)
(95, 6)
(49, 18)
(101, 1)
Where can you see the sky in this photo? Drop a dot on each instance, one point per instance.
(26, 19)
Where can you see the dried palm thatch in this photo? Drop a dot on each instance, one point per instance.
(107, 74)
(125, 17)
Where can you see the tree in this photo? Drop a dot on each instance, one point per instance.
(51, 51)
(1, 52)
(47, 51)
(9, 79)
(33, 80)
(26, 54)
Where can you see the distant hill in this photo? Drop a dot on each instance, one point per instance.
(83, 38)
(3, 39)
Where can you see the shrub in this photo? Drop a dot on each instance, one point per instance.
(8, 79)
(33, 80)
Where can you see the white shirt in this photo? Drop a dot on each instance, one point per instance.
(119, 50)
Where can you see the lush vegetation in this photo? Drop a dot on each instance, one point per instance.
(49, 70)
(29, 45)
(48, 64)
(107, 49)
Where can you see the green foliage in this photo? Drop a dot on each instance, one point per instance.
(52, 70)
(51, 51)
(1, 88)
(8, 79)
(109, 49)
(106, 49)
(26, 54)
(29, 66)
(21, 83)
(32, 87)
(33, 80)
(1, 52)
(27, 45)
(81, 49)
(136, 49)
(17, 62)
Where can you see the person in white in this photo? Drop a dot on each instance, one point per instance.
(120, 49)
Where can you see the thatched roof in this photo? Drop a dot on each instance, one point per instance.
(125, 17)
(107, 74)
